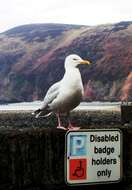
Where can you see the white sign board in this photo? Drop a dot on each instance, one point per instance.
(93, 156)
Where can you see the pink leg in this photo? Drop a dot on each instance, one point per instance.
(59, 123)
(71, 127)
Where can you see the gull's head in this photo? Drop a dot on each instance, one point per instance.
(74, 60)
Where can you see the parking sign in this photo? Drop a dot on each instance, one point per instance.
(93, 156)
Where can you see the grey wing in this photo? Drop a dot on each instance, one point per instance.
(51, 95)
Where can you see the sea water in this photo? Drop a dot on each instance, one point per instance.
(115, 106)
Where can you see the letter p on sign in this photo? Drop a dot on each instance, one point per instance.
(77, 145)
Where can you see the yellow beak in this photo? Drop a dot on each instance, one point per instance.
(85, 62)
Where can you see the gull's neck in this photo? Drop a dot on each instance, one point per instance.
(70, 67)
(72, 73)
(72, 78)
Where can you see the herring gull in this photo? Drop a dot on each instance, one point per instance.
(65, 95)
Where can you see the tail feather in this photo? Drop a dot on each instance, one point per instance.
(36, 111)
(41, 113)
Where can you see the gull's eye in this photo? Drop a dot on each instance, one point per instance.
(75, 59)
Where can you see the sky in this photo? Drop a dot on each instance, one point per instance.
(85, 12)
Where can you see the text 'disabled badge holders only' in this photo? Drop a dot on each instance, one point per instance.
(93, 156)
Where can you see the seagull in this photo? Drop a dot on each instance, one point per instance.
(66, 94)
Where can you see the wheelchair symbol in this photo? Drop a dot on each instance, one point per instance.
(79, 171)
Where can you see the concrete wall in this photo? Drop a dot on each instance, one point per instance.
(33, 158)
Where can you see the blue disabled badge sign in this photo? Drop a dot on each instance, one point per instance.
(93, 156)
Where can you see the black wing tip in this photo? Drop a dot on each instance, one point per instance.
(41, 113)
(36, 111)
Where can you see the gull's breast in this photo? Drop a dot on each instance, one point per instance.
(70, 95)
